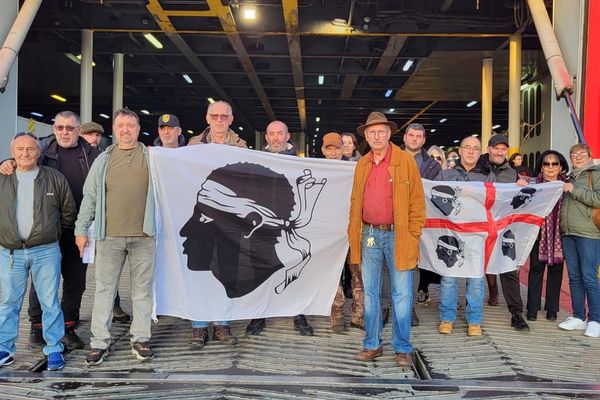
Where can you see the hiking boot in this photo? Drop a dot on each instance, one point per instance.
(95, 356)
(368, 355)
(404, 360)
(56, 361)
(445, 328)
(222, 333)
(256, 326)
(474, 330)
(519, 323)
(302, 325)
(119, 315)
(36, 337)
(141, 351)
(71, 340)
(199, 337)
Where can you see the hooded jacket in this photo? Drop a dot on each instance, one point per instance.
(290, 150)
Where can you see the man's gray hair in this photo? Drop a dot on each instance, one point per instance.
(69, 114)
(210, 106)
(126, 112)
(416, 126)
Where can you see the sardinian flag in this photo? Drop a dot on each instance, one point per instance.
(474, 228)
(247, 234)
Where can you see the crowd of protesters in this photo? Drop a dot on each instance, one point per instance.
(51, 191)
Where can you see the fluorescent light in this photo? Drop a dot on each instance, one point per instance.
(318, 119)
(315, 136)
(443, 120)
(211, 100)
(407, 65)
(475, 135)
(441, 147)
(104, 116)
(36, 114)
(391, 110)
(241, 128)
(471, 104)
(59, 98)
(79, 60)
(389, 92)
(154, 41)
(496, 126)
(191, 132)
(316, 129)
(456, 141)
(321, 79)
(187, 78)
(249, 13)
(433, 130)
(145, 112)
(145, 134)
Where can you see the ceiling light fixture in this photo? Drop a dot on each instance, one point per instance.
(433, 130)
(36, 114)
(145, 112)
(407, 65)
(105, 116)
(59, 98)
(241, 128)
(210, 100)
(475, 135)
(191, 132)
(471, 104)
(456, 141)
(391, 110)
(77, 58)
(389, 92)
(321, 79)
(250, 13)
(318, 119)
(443, 120)
(524, 86)
(316, 129)
(496, 126)
(154, 41)
(145, 134)
(187, 78)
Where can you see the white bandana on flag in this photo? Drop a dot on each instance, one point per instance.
(474, 228)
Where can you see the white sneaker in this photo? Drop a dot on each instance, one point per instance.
(593, 329)
(572, 323)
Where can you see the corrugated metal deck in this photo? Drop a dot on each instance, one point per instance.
(546, 363)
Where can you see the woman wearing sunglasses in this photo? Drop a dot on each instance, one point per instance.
(547, 250)
(581, 240)
(438, 155)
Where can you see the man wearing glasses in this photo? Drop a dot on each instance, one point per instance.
(387, 213)
(219, 117)
(72, 156)
(35, 203)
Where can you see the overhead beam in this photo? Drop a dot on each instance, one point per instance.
(290, 15)
(230, 28)
(163, 21)
(417, 115)
(348, 87)
(392, 49)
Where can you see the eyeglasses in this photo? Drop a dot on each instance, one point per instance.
(439, 158)
(579, 156)
(550, 164)
(69, 128)
(219, 117)
(375, 133)
(473, 149)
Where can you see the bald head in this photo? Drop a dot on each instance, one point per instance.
(277, 136)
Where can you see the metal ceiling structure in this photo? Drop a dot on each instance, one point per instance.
(270, 67)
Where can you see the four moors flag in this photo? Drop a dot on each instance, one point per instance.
(474, 228)
(247, 234)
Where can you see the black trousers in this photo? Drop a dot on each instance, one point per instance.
(73, 273)
(511, 289)
(536, 277)
(426, 278)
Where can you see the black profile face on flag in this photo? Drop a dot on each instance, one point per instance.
(524, 196)
(450, 250)
(242, 224)
(508, 245)
(445, 199)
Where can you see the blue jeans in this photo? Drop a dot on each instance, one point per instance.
(204, 324)
(43, 262)
(401, 282)
(449, 299)
(583, 257)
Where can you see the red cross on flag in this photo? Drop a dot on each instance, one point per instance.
(474, 228)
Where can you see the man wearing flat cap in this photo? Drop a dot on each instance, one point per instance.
(387, 213)
(169, 132)
(92, 133)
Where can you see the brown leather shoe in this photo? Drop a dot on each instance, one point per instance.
(403, 360)
(369, 355)
(222, 333)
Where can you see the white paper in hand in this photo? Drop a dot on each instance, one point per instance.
(89, 251)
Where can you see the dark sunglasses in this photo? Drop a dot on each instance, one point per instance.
(551, 164)
(439, 158)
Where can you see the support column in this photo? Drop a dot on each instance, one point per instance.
(487, 71)
(87, 53)
(514, 95)
(258, 140)
(8, 99)
(118, 69)
(302, 144)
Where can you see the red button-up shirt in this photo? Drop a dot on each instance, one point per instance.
(378, 206)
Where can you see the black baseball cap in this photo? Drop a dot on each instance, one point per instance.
(497, 139)
(168, 120)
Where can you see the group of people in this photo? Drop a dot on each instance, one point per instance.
(52, 190)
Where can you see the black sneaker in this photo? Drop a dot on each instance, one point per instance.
(36, 337)
(519, 323)
(71, 340)
(302, 325)
(255, 326)
(142, 351)
(96, 356)
(119, 315)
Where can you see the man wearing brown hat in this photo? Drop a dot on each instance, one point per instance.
(92, 133)
(332, 149)
(387, 213)
(169, 132)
